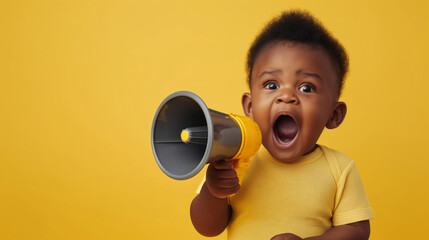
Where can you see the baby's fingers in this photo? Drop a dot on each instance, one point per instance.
(222, 169)
(223, 192)
(222, 164)
(227, 183)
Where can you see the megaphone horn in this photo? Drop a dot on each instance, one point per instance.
(186, 135)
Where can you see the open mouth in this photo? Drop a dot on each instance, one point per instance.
(285, 129)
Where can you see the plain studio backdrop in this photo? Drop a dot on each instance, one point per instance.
(80, 82)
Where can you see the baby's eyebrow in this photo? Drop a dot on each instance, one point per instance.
(317, 76)
(269, 72)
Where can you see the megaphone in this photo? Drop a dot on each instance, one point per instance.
(186, 135)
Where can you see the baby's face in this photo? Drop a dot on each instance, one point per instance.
(293, 95)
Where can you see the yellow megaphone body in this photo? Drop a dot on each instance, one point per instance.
(186, 135)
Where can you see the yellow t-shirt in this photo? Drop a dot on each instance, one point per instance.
(307, 197)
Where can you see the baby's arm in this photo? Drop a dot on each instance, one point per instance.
(352, 231)
(210, 212)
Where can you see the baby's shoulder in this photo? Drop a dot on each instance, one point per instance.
(337, 157)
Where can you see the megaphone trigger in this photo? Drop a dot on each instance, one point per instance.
(240, 165)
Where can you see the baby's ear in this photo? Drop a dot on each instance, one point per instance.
(337, 115)
(246, 102)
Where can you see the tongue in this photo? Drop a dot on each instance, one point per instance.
(286, 128)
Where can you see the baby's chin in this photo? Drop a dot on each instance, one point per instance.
(283, 156)
(290, 155)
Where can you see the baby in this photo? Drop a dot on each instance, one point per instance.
(293, 188)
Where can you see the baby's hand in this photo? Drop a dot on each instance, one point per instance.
(221, 179)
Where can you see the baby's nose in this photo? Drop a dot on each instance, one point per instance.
(287, 96)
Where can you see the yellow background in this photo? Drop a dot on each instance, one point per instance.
(80, 82)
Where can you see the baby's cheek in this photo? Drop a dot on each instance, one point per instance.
(263, 124)
(266, 133)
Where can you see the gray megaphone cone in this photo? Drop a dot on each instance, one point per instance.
(186, 135)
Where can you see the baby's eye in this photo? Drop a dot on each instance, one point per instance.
(307, 88)
(271, 86)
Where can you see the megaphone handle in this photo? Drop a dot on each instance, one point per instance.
(239, 166)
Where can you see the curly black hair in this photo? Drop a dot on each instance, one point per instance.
(301, 27)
